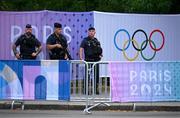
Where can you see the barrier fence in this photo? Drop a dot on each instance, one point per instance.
(94, 83)
(138, 82)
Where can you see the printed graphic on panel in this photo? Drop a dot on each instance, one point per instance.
(147, 40)
(156, 81)
(74, 24)
(30, 80)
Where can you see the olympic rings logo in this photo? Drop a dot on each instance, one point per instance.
(136, 46)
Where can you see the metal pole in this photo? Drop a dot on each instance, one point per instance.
(86, 65)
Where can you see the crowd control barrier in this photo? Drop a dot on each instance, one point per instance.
(138, 82)
(95, 83)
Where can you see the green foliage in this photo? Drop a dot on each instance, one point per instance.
(149, 6)
(123, 6)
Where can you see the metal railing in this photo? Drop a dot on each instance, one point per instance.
(90, 85)
(85, 86)
(78, 76)
(100, 87)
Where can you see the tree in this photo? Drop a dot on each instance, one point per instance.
(123, 6)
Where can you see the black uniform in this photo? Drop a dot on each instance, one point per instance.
(27, 45)
(92, 49)
(57, 53)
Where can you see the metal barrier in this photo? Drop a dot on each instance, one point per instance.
(157, 86)
(78, 75)
(82, 82)
(84, 87)
(88, 84)
(100, 89)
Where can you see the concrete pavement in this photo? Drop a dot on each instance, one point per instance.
(79, 114)
(57, 105)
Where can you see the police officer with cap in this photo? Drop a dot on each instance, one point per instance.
(57, 44)
(29, 45)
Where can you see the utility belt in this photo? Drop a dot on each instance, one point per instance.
(57, 56)
(27, 56)
(92, 58)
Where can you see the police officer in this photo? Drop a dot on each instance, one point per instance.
(57, 44)
(30, 47)
(92, 52)
(91, 47)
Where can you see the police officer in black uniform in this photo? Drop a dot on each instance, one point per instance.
(30, 47)
(91, 47)
(92, 52)
(57, 44)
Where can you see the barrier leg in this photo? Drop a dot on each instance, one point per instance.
(87, 88)
(134, 107)
(14, 101)
(12, 104)
(87, 110)
(22, 105)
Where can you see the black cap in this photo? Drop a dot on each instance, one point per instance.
(91, 28)
(28, 26)
(57, 25)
